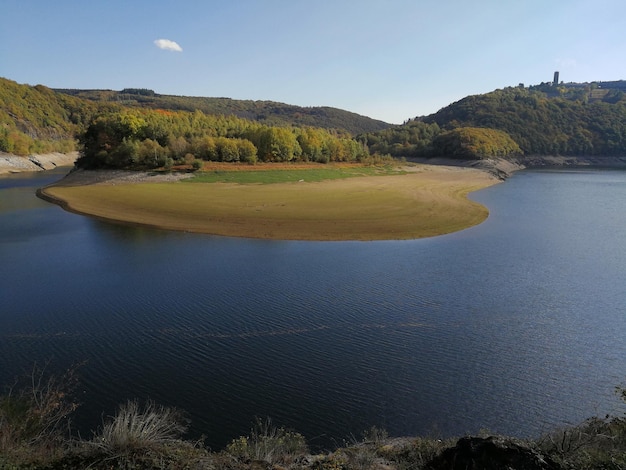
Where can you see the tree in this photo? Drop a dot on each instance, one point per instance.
(277, 144)
(475, 143)
(205, 148)
(227, 149)
(151, 154)
(178, 147)
(247, 151)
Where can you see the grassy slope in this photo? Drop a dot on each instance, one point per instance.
(426, 201)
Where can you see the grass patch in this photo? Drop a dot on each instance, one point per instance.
(134, 428)
(292, 175)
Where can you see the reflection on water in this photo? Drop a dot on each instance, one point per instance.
(516, 325)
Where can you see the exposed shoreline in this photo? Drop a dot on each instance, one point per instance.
(498, 167)
(429, 200)
(433, 198)
(10, 163)
(503, 168)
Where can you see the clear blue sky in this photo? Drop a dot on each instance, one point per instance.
(387, 59)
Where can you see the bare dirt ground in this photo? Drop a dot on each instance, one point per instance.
(113, 177)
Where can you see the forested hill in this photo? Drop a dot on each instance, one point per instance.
(569, 120)
(37, 119)
(270, 113)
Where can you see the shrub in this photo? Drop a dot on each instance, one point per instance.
(134, 428)
(35, 415)
(596, 443)
(375, 435)
(269, 443)
(413, 453)
(359, 457)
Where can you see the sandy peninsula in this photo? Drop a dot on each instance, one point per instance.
(423, 201)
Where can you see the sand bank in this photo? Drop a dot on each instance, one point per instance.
(427, 201)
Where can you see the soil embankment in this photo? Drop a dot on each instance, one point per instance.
(15, 164)
(502, 168)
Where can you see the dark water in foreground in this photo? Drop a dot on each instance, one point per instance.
(515, 326)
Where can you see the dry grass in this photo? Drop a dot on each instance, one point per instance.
(269, 443)
(427, 201)
(136, 428)
(35, 416)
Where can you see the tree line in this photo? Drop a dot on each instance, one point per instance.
(142, 138)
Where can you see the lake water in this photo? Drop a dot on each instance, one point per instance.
(517, 325)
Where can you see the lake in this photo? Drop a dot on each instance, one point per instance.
(515, 326)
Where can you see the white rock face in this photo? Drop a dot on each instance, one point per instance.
(13, 164)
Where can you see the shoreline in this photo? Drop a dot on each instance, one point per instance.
(438, 194)
(10, 163)
(428, 200)
(503, 168)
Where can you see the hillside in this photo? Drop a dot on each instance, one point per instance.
(39, 120)
(566, 120)
(569, 120)
(267, 112)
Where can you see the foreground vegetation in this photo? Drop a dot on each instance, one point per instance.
(35, 434)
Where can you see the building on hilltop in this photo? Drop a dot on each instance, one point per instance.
(555, 82)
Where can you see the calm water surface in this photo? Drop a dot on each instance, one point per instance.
(516, 326)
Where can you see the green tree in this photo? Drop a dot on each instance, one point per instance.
(247, 151)
(151, 154)
(475, 143)
(277, 144)
(205, 148)
(227, 149)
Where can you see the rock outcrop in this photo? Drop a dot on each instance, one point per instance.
(14, 164)
(491, 453)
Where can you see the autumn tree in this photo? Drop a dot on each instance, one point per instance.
(475, 143)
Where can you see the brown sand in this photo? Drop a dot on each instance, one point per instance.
(428, 201)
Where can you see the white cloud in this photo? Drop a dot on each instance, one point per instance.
(168, 45)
